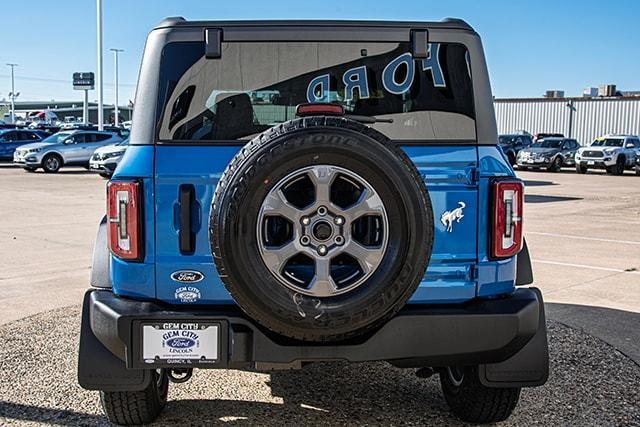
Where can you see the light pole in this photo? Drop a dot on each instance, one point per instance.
(572, 109)
(13, 95)
(99, 65)
(115, 56)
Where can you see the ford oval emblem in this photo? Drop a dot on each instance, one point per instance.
(187, 276)
(181, 342)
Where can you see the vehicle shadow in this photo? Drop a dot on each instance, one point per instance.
(328, 394)
(319, 394)
(41, 414)
(67, 172)
(533, 183)
(618, 328)
(564, 170)
(536, 198)
(76, 172)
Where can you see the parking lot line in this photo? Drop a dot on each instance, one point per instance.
(595, 239)
(591, 267)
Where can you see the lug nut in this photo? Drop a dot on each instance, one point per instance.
(322, 249)
(322, 211)
(304, 240)
(338, 220)
(305, 220)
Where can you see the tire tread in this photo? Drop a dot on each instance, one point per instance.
(133, 407)
(476, 403)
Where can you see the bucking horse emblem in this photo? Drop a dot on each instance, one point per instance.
(448, 217)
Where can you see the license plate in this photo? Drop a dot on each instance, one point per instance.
(591, 162)
(180, 342)
(530, 161)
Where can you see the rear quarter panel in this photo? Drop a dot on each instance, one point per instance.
(137, 279)
(493, 277)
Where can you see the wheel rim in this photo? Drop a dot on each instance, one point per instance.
(322, 231)
(52, 163)
(456, 375)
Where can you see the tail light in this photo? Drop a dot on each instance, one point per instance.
(508, 201)
(124, 216)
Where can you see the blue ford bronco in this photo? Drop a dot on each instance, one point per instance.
(305, 191)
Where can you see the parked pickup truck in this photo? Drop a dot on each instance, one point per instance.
(614, 153)
(304, 191)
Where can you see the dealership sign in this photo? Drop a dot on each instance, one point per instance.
(83, 81)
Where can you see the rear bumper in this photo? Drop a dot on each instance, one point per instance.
(478, 332)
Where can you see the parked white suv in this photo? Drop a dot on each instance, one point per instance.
(615, 153)
(105, 159)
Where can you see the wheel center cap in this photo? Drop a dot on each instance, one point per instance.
(322, 230)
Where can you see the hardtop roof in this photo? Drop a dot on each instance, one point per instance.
(447, 23)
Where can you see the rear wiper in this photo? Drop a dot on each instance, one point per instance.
(367, 119)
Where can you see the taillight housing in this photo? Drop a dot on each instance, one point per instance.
(506, 232)
(124, 219)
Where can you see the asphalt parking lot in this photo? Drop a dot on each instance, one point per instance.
(583, 233)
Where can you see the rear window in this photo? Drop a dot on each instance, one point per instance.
(98, 137)
(255, 86)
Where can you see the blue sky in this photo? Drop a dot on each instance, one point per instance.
(530, 46)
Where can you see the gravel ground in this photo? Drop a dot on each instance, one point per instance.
(590, 384)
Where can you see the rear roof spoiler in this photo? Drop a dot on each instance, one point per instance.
(447, 23)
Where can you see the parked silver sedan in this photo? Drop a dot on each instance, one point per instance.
(67, 148)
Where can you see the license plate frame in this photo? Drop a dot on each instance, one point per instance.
(207, 339)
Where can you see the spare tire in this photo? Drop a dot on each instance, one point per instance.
(321, 228)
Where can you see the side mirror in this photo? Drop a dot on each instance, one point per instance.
(69, 141)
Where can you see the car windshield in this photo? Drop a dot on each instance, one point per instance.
(548, 143)
(57, 137)
(607, 142)
(123, 143)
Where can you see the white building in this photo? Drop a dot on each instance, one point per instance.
(580, 118)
